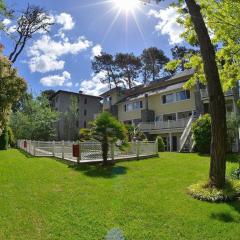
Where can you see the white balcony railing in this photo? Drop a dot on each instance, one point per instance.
(204, 93)
(161, 125)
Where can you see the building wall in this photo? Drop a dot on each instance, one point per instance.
(61, 103)
(155, 104)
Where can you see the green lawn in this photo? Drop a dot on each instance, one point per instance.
(41, 198)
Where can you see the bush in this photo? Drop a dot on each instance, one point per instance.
(202, 192)
(161, 145)
(11, 138)
(201, 130)
(235, 174)
(4, 140)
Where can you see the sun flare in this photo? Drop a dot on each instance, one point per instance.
(126, 5)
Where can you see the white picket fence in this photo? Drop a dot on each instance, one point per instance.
(89, 151)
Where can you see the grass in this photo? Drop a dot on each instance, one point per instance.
(41, 198)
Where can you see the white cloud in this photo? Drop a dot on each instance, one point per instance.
(96, 51)
(57, 80)
(45, 63)
(45, 52)
(94, 86)
(6, 22)
(65, 20)
(167, 23)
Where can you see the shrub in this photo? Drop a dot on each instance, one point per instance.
(235, 174)
(11, 138)
(202, 192)
(161, 145)
(4, 140)
(202, 133)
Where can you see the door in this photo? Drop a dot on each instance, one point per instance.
(174, 144)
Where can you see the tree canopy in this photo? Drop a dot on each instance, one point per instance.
(11, 89)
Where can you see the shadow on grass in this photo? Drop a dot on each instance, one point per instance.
(100, 171)
(27, 155)
(223, 217)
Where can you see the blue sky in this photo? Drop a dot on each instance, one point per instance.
(62, 58)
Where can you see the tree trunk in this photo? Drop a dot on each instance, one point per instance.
(105, 149)
(216, 98)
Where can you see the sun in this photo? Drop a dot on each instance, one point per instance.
(126, 5)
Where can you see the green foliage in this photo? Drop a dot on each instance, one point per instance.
(161, 145)
(4, 140)
(11, 138)
(71, 116)
(232, 129)
(201, 129)
(134, 133)
(85, 134)
(11, 89)
(203, 192)
(235, 173)
(108, 130)
(35, 120)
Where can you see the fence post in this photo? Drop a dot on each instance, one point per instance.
(80, 152)
(53, 148)
(156, 142)
(30, 146)
(34, 148)
(63, 149)
(112, 151)
(137, 149)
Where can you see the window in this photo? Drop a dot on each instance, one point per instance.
(182, 115)
(77, 124)
(168, 98)
(175, 97)
(183, 95)
(169, 117)
(85, 101)
(85, 112)
(133, 106)
(85, 124)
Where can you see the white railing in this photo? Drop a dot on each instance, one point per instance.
(186, 132)
(171, 124)
(204, 93)
(88, 151)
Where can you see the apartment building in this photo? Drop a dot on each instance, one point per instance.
(163, 108)
(88, 107)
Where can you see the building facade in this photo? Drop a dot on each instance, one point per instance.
(163, 108)
(76, 111)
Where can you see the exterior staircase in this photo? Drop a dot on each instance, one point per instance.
(187, 143)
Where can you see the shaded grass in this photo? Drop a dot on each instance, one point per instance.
(41, 198)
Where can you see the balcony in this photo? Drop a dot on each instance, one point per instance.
(204, 93)
(163, 125)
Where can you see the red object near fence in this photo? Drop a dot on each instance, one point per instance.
(25, 144)
(75, 150)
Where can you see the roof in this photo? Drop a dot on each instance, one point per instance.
(160, 85)
(73, 93)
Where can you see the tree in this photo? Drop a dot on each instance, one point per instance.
(5, 12)
(128, 67)
(48, 93)
(153, 60)
(34, 19)
(71, 117)
(105, 64)
(181, 56)
(108, 130)
(11, 88)
(134, 133)
(4, 140)
(35, 121)
(216, 97)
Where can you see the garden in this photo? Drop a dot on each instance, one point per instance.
(42, 198)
